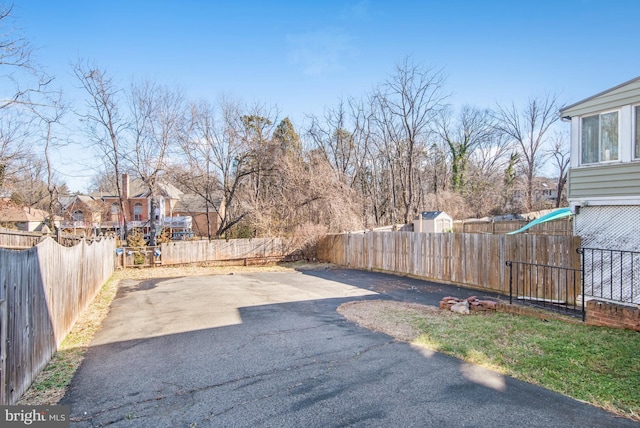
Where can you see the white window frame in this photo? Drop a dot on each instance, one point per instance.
(137, 213)
(114, 211)
(600, 114)
(635, 138)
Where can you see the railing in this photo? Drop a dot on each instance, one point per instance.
(611, 274)
(555, 288)
(137, 257)
(78, 224)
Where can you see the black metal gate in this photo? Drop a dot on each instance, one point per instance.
(612, 275)
(604, 274)
(553, 288)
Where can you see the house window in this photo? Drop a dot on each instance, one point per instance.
(114, 211)
(78, 216)
(137, 212)
(600, 138)
(637, 133)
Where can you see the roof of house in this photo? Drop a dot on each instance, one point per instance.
(192, 203)
(606, 99)
(431, 215)
(10, 212)
(139, 189)
(73, 201)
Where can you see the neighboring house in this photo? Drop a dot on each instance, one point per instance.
(433, 222)
(604, 175)
(82, 214)
(195, 207)
(22, 218)
(181, 214)
(137, 205)
(545, 193)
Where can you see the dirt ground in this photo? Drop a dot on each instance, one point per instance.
(392, 318)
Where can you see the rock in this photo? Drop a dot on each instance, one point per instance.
(461, 308)
(488, 304)
(471, 299)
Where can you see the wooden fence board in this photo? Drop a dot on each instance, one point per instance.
(44, 290)
(184, 252)
(474, 260)
(17, 239)
(561, 227)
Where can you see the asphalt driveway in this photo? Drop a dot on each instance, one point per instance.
(269, 349)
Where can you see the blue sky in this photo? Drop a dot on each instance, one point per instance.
(303, 56)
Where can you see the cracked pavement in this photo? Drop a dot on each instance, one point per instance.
(269, 349)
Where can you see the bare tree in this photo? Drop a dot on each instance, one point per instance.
(472, 128)
(48, 115)
(107, 125)
(158, 121)
(21, 76)
(491, 156)
(256, 131)
(21, 82)
(529, 128)
(335, 138)
(15, 150)
(560, 154)
(31, 189)
(218, 159)
(407, 104)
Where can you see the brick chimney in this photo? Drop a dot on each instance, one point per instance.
(125, 186)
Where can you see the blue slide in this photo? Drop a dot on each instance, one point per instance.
(553, 215)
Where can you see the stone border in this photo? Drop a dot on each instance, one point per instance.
(480, 306)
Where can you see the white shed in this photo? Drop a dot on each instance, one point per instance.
(433, 222)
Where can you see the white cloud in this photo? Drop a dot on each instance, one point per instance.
(358, 11)
(320, 52)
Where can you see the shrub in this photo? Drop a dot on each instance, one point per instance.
(306, 237)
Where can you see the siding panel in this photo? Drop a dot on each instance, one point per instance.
(612, 99)
(605, 181)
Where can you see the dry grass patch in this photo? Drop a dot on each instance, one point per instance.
(397, 319)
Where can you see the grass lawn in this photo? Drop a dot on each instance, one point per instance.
(594, 364)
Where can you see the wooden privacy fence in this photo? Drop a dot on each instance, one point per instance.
(22, 240)
(19, 240)
(179, 252)
(472, 260)
(43, 290)
(563, 227)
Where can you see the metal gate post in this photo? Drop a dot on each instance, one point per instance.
(510, 281)
(581, 252)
